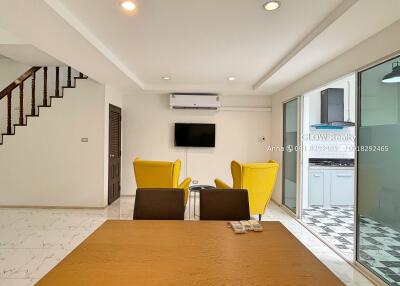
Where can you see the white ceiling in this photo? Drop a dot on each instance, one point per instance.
(198, 43)
(28, 54)
(13, 47)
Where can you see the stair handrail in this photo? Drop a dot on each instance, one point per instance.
(17, 82)
(7, 93)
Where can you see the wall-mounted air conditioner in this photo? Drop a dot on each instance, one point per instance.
(208, 101)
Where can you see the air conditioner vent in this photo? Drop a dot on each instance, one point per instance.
(204, 101)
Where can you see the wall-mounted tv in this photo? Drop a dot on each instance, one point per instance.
(194, 135)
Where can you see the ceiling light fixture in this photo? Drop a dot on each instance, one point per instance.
(272, 5)
(231, 78)
(166, 78)
(128, 6)
(394, 76)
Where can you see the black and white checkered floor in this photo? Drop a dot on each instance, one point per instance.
(379, 245)
(335, 224)
(380, 250)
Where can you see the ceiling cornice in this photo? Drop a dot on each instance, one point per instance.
(322, 26)
(74, 22)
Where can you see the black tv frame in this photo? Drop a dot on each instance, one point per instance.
(190, 143)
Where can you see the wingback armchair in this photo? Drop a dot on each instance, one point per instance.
(158, 174)
(258, 179)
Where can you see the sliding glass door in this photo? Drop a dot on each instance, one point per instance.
(289, 176)
(378, 215)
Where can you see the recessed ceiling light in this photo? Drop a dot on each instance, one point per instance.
(128, 6)
(272, 5)
(231, 78)
(166, 78)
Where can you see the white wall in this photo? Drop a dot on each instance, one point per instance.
(148, 133)
(115, 97)
(376, 47)
(8, 38)
(60, 170)
(10, 71)
(46, 164)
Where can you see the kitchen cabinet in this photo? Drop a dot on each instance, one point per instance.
(342, 187)
(331, 186)
(316, 188)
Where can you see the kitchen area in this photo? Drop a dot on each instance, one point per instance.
(328, 143)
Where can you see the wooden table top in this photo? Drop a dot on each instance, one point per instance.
(189, 253)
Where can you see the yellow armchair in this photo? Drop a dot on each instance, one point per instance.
(258, 179)
(157, 174)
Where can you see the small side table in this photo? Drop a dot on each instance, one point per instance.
(195, 189)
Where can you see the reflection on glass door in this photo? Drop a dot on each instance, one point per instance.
(327, 165)
(289, 183)
(378, 215)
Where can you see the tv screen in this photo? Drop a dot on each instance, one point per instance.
(194, 135)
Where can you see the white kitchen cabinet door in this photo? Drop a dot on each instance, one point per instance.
(316, 188)
(342, 188)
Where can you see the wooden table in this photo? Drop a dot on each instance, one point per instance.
(189, 253)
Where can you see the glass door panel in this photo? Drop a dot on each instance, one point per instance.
(378, 214)
(289, 184)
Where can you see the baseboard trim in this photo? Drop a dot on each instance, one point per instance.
(57, 207)
(275, 202)
(128, 196)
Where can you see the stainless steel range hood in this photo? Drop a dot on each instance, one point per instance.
(332, 108)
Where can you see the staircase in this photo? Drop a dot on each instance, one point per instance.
(33, 90)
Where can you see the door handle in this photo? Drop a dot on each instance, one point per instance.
(317, 176)
(344, 175)
(111, 155)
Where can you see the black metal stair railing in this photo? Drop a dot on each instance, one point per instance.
(20, 84)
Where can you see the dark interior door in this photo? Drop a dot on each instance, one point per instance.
(114, 154)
